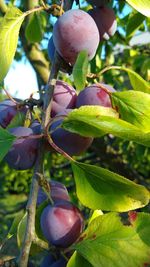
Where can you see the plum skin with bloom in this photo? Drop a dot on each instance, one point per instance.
(71, 143)
(73, 32)
(105, 20)
(8, 110)
(61, 224)
(95, 95)
(58, 192)
(23, 153)
(64, 97)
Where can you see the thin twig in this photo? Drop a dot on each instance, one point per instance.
(31, 211)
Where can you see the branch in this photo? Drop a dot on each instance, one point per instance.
(31, 206)
(31, 211)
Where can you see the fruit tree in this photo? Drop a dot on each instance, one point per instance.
(74, 154)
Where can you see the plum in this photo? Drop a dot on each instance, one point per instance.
(62, 223)
(105, 20)
(48, 260)
(94, 95)
(73, 32)
(36, 127)
(98, 3)
(64, 66)
(71, 143)
(8, 110)
(59, 263)
(51, 49)
(23, 153)
(64, 97)
(58, 192)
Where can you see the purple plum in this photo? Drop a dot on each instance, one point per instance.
(105, 20)
(71, 143)
(95, 95)
(64, 97)
(73, 32)
(62, 224)
(8, 110)
(48, 260)
(58, 192)
(23, 152)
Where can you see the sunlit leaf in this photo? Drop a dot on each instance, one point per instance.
(99, 188)
(142, 6)
(9, 31)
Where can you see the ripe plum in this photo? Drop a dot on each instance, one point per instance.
(71, 143)
(105, 20)
(23, 152)
(61, 224)
(58, 192)
(94, 95)
(73, 32)
(8, 110)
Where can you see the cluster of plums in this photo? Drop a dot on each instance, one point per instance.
(61, 223)
(23, 152)
(77, 30)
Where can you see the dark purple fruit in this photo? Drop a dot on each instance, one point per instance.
(51, 49)
(98, 3)
(23, 152)
(8, 110)
(71, 143)
(58, 192)
(62, 224)
(59, 263)
(36, 127)
(95, 95)
(64, 97)
(105, 20)
(48, 260)
(73, 32)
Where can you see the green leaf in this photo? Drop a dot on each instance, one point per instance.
(133, 24)
(142, 6)
(80, 70)
(133, 107)
(14, 226)
(78, 261)
(137, 82)
(18, 120)
(95, 214)
(21, 230)
(107, 242)
(99, 188)
(86, 123)
(9, 32)
(6, 141)
(34, 31)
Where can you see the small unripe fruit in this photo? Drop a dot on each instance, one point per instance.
(62, 224)
(95, 95)
(73, 32)
(58, 192)
(23, 153)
